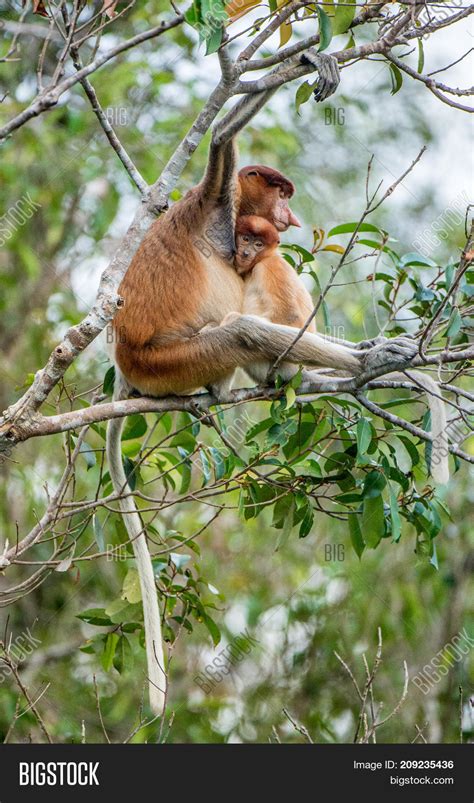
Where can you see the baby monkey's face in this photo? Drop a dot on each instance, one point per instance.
(249, 249)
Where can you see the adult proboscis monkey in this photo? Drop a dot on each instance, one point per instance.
(176, 293)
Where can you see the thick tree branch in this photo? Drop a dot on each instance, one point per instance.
(38, 425)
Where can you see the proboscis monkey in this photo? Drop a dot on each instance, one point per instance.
(180, 286)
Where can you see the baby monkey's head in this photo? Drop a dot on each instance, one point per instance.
(255, 239)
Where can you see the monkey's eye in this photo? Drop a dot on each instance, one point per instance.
(245, 239)
(252, 173)
(282, 194)
(258, 244)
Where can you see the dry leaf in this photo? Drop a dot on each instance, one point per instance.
(108, 8)
(40, 8)
(236, 8)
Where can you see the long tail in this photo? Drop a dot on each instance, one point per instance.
(151, 611)
(437, 408)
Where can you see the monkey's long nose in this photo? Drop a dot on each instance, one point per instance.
(245, 254)
(293, 220)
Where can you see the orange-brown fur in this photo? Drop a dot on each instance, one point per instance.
(273, 290)
(178, 284)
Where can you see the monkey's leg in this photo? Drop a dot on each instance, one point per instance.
(221, 388)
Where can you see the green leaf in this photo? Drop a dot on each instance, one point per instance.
(424, 293)
(109, 651)
(185, 476)
(306, 523)
(109, 380)
(130, 472)
(449, 276)
(344, 14)
(123, 657)
(395, 516)
(355, 533)
(131, 587)
(206, 466)
(184, 439)
(192, 15)
(115, 607)
(303, 94)
(95, 616)
(179, 560)
(434, 556)
(413, 258)
(326, 314)
(98, 532)
(325, 29)
(290, 397)
(280, 433)
(88, 455)
(364, 435)
(374, 484)
(411, 449)
(421, 57)
(135, 427)
(287, 525)
(455, 323)
(349, 228)
(212, 627)
(396, 78)
(373, 520)
(214, 41)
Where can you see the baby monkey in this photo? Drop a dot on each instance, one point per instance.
(273, 290)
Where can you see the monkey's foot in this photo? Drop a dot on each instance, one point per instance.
(328, 71)
(395, 354)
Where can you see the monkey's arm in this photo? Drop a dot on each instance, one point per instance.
(362, 345)
(218, 191)
(247, 107)
(219, 185)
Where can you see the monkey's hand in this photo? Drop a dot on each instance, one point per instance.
(328, 71)
(395, 354)
(365, 345)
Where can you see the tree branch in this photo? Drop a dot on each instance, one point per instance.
(109, 132)
(435, 87)
(51, 94)
(38, 425)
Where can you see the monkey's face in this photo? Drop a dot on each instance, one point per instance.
(265, 192)
(248, 250)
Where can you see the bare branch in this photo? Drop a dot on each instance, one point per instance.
(109, 132)
(50, 96)
(435, 87)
